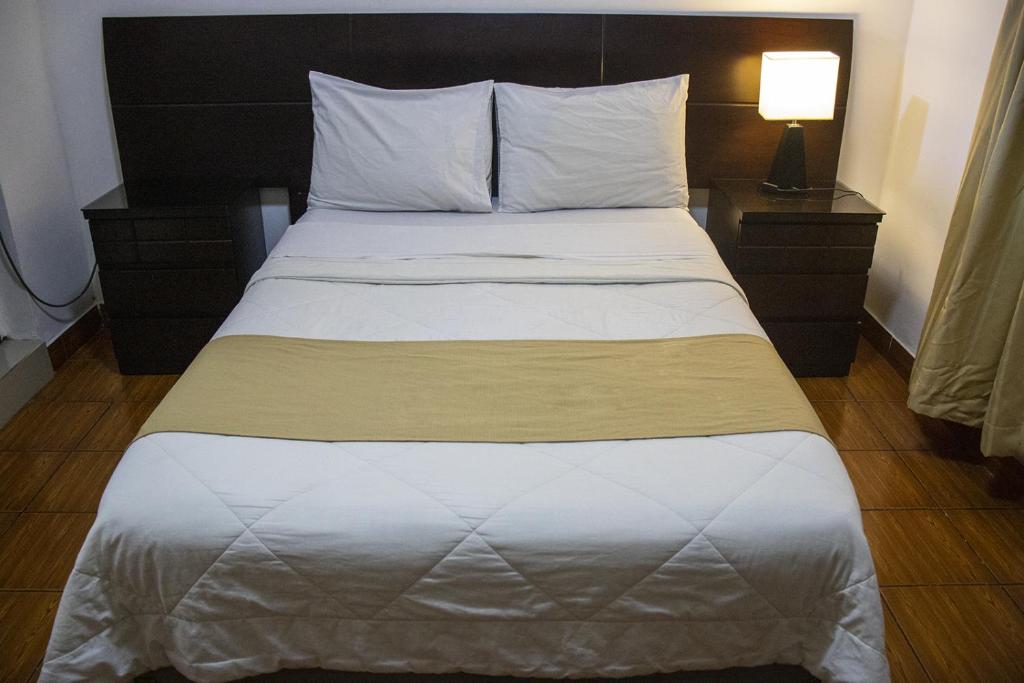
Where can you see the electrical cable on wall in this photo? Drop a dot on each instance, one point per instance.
(31, 293)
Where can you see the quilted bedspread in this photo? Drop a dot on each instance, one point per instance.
(228, 556)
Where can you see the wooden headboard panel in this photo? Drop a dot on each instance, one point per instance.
(229, 96)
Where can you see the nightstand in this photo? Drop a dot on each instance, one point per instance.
(173, 260)
(803, 263)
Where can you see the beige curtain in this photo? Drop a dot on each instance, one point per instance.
(970, 364)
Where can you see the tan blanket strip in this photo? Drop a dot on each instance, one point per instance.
(485, 391)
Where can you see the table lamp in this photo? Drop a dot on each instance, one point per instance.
(795, 85)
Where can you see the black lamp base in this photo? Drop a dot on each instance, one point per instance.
(789, 168)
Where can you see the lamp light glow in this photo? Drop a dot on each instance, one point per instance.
(795, 85)
(798, 85)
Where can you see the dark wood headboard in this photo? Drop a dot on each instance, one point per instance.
(228, 96)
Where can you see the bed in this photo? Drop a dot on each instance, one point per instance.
(228, 556)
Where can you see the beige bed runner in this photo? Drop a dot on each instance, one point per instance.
(485, 391)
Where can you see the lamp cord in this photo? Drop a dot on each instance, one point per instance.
(843, 192)
(31, 293)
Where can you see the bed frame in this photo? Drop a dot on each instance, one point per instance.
(228, 96)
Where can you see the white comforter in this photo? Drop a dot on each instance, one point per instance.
(227, 556)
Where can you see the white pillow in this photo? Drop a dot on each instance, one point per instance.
(400, 150)
(599, 147)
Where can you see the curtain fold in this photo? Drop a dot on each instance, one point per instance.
(970, 363)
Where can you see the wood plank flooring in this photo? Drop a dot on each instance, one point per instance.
(950, 556)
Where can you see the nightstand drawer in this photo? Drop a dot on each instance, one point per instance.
(139, 293)
(801, 259)
(160, 229)
(815, 349)
(807, 234)
(207, 229)
(115, 253)
(107, 230)
(174, 255)
(158, 346)
(803, 262)
(854, 235)
(183, 253)
(804, 297)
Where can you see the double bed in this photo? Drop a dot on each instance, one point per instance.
(228, 556)
(689, 528)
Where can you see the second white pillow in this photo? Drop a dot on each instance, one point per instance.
(599, 147)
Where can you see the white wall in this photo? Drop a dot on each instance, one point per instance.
(949, 47)
(17, 319)
(41, 215)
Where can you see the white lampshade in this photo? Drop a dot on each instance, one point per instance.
(798, 85)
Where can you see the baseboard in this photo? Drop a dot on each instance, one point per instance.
(24, 370)
(886, 344)
(72, 339)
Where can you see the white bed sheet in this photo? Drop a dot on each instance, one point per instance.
(229, 556)
(593, 233)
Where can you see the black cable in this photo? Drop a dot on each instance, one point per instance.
(776, 190)
(36, 297)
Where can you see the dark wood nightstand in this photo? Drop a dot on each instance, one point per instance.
(174, 258)
(803, 263)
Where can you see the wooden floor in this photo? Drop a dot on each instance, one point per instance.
(950, 556)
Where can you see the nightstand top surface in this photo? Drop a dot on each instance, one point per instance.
(747, 197)
(192, 197)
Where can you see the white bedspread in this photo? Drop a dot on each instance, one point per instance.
(228, 556)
